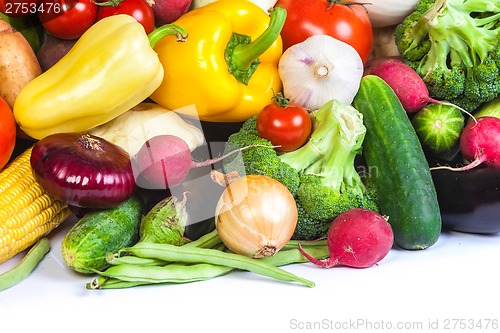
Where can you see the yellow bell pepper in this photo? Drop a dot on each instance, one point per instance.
(228, 67)
(111, 68)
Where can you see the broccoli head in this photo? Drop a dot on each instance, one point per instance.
(321, 175)
(330, 183)
(308, 228)
(453, 45)
(325, 204)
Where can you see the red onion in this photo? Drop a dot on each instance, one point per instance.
(83, 170)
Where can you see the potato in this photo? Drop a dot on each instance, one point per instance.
(18, 62)
(52, 50)
(384, 44)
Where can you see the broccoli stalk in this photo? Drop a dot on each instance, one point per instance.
(453, 45)
(332, 148)
(318, 147)
(329, 181)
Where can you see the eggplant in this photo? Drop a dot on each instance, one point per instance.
(469, 200)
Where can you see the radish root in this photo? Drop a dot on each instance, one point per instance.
(479, 159)
(435, 101)
(220, 158)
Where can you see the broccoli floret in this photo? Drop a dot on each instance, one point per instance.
(453, 45)
(324, 207)
(445, 82)
(250, 125)
(308, 228)
(487, 70)
(324, 202)
(321, 175)
(414, 47)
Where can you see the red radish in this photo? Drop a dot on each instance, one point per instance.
(168, 11)
(479, 144)
(164, 161)
(406, 83)
(357, 238)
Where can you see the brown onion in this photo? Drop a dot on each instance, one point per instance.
(256, 216)
(83, 170)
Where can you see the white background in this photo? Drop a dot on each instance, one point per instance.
(457, 278)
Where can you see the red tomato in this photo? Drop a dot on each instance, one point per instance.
(348, 23)
(286, 125)
(7, 133)
(138, 9)
(67, 19)
(19, 8)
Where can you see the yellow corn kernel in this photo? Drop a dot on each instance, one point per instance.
(27, 212)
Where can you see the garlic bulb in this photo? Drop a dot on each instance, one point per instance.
(320, 69)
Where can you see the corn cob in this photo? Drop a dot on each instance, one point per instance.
(27, 212)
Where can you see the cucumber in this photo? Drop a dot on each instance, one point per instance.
(99, 233)
(491, 108)
(398, 166)
(439, 127)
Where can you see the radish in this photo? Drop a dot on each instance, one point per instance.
(357, 238)
(406, 83)
(164, 161)
(479, 144)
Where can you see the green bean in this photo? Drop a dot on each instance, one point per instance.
(293, 244)
(127, 276)
(206, 241)
(294, 256)
(172, 273)
(209, 240)
(112, 283)
(174, 253)
(135, 277)
(114, 260)
(27, 264)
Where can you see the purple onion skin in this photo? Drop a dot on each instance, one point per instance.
(83, 170)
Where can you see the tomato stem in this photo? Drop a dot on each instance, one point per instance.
(347, 3)
(281, 100)
(113, 3)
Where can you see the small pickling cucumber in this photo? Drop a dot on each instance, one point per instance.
(439, 127)
(398, 166)
(99, 233)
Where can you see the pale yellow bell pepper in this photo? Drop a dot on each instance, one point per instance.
(110, 69)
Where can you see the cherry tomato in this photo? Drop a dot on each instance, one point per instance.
(18, 8)
(285, 124)
(348, 23)
(139, 9)
(67, 19)
(7, 133)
